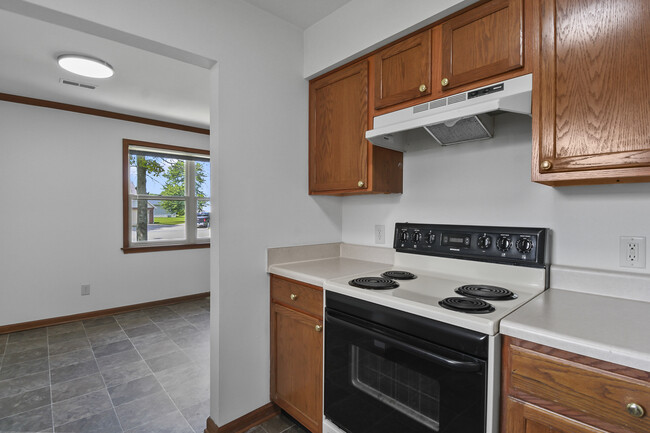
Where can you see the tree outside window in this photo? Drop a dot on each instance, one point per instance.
(167, 197)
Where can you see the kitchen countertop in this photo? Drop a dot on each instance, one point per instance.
(317, 271)
(602, 327)
(580, 317)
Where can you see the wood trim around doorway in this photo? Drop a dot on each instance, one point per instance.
(245, 422)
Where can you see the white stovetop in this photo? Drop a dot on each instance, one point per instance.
(420, 296)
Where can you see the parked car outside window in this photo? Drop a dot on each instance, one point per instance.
(203, 219)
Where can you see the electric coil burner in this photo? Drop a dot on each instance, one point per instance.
(467, 305)
(482, 291)
(374, 283)
(399, 275)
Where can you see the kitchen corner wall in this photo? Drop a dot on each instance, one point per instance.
(488, 183)
(61, 219)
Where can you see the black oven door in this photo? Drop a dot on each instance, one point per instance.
(381, 380)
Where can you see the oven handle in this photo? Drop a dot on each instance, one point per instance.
(452, 364)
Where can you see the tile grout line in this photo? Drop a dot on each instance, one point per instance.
(102, 376)
(49, 372)
(99, 371)
(154, 374)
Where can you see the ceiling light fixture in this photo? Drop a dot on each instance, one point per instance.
(85, 66)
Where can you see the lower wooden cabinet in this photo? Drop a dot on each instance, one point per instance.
(527, 418)
(297, 350)
(550, 390)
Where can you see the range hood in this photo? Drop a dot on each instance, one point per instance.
(466, 116)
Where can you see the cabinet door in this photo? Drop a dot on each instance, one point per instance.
(591, 92)
(403, 71)
(523, 417)
(338, 150)
(297, 365)
(482, 42)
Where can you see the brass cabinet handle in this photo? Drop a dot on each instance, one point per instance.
(360, 184)
(293, 297)
(546, 165)
(318, 328)
(423, 88)
(636, 410)
(444, 82)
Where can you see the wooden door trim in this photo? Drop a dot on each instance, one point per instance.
(244, 422)
(23, 326)
(101, 113)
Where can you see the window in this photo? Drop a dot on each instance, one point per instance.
(166, 197)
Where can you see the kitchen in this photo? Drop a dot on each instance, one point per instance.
(268, 165)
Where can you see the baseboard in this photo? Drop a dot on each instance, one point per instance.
(92, 314)
(246, 422)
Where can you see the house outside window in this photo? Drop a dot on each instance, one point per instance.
(166, 197)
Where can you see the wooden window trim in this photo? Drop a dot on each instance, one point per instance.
(126, 208)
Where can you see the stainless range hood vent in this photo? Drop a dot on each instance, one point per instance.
(455, 119)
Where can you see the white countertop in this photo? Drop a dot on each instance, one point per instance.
(317, 271)
(610, 329)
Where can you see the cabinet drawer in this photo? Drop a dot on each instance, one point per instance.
(594, 392)
(297, 295)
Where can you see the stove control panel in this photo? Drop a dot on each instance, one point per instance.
(522, 246)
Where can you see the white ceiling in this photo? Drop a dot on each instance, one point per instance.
(145, 84)
(302, 13)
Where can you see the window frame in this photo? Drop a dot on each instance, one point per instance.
(186, 244)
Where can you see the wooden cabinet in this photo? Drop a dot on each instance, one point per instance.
(403, 71)
(591, 91)
(341, 160)
(482, 42)
(297, 350)
(550, 390)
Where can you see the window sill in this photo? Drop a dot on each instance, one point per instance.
(151, 249)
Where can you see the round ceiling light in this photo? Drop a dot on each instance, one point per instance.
(85, 66)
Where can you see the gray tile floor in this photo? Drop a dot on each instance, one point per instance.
(143, 371)
(279, 424)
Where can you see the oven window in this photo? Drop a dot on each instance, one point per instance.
(405, 390)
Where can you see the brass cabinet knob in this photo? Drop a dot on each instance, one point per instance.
(318, 328)
(423, 88)
(546, 165)
(636, 410)
(293, 297)
(360, 184)
(444, 82)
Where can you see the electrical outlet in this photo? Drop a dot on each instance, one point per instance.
(380, 234)
(85, 289)
(632, 252)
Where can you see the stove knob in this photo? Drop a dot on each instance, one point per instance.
(504, 243)
(404, 236)
(417, 236)
(430, 238)
(484, 242)
(524, 245)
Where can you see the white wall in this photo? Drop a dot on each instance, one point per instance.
(259, 167)
(61, 224)
(489, 183)
(361, 26)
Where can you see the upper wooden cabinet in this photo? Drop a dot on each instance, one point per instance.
(403, 71)
(591, 91)
(483, 42)
(341, 160)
